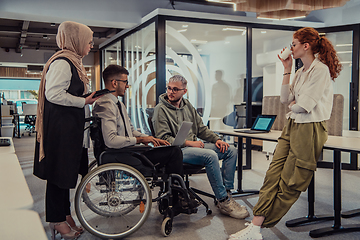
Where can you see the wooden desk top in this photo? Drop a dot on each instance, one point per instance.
(21, 224)
(15, 191)
(270, 136)
(7, 149)
(345, 144)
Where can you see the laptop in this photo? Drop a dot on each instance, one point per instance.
(262, 124)
(181, 135)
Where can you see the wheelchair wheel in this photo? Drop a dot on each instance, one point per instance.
(166, 226)
(113, 201)
(92, 165)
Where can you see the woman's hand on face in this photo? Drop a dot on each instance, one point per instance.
(291, 104)
(90, 100)
(287, 63)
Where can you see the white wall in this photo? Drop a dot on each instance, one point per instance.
(231, 60)
(273, 70)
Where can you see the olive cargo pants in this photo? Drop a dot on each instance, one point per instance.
(291, 170)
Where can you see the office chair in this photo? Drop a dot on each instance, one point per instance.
(29, 110)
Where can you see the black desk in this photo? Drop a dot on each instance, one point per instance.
(335, 143)
(272, 136)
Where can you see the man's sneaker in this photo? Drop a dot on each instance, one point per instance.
(233, 209)
(248, 233)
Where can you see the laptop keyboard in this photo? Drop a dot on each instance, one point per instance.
(4, 142)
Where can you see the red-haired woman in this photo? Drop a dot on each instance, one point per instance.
(310, 99)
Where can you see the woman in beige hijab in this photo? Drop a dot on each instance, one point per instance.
(59, 152)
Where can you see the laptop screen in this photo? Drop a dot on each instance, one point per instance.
(264, 122)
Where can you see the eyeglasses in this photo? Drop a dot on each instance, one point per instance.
(91, 43)
(125, 81)
(174, 90)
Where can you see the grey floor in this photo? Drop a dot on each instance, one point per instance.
(217, 226)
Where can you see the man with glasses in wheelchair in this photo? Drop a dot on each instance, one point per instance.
(118, 133)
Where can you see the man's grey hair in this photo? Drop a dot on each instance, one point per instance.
(178, 78)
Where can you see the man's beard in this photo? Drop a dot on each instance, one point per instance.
(174, 101)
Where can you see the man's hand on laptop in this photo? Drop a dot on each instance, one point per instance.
(198, 144)
(163, 142)
(150, 139)
(223, 146)
(147, 140)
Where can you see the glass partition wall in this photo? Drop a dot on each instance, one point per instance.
(139, 59)
(216, 57)
(212, 58)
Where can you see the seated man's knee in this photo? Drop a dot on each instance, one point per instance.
(211, 157)
(232, 150)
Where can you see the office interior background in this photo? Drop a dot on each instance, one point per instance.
(214, 47)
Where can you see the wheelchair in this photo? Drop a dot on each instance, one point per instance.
(114, 200)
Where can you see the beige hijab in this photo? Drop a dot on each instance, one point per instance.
(72, 38)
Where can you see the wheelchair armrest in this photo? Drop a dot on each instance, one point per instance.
(143, 159)
(135, 151)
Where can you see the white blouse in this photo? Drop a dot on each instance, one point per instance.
(312, 91)
(58, 80)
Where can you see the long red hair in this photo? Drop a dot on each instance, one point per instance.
(322, 46)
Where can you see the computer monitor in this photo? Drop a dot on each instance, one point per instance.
(256, 89)
(240, 110)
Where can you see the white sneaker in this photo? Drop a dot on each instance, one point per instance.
(248, 233)
(233, 209)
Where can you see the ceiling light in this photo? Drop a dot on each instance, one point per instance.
(290, 18)
(182, 30)
(227, 2)
(340, 52)
(185, 26)
(198, 41)
(344, 45)
(263, 31)
(233, 29)
(266, 18)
